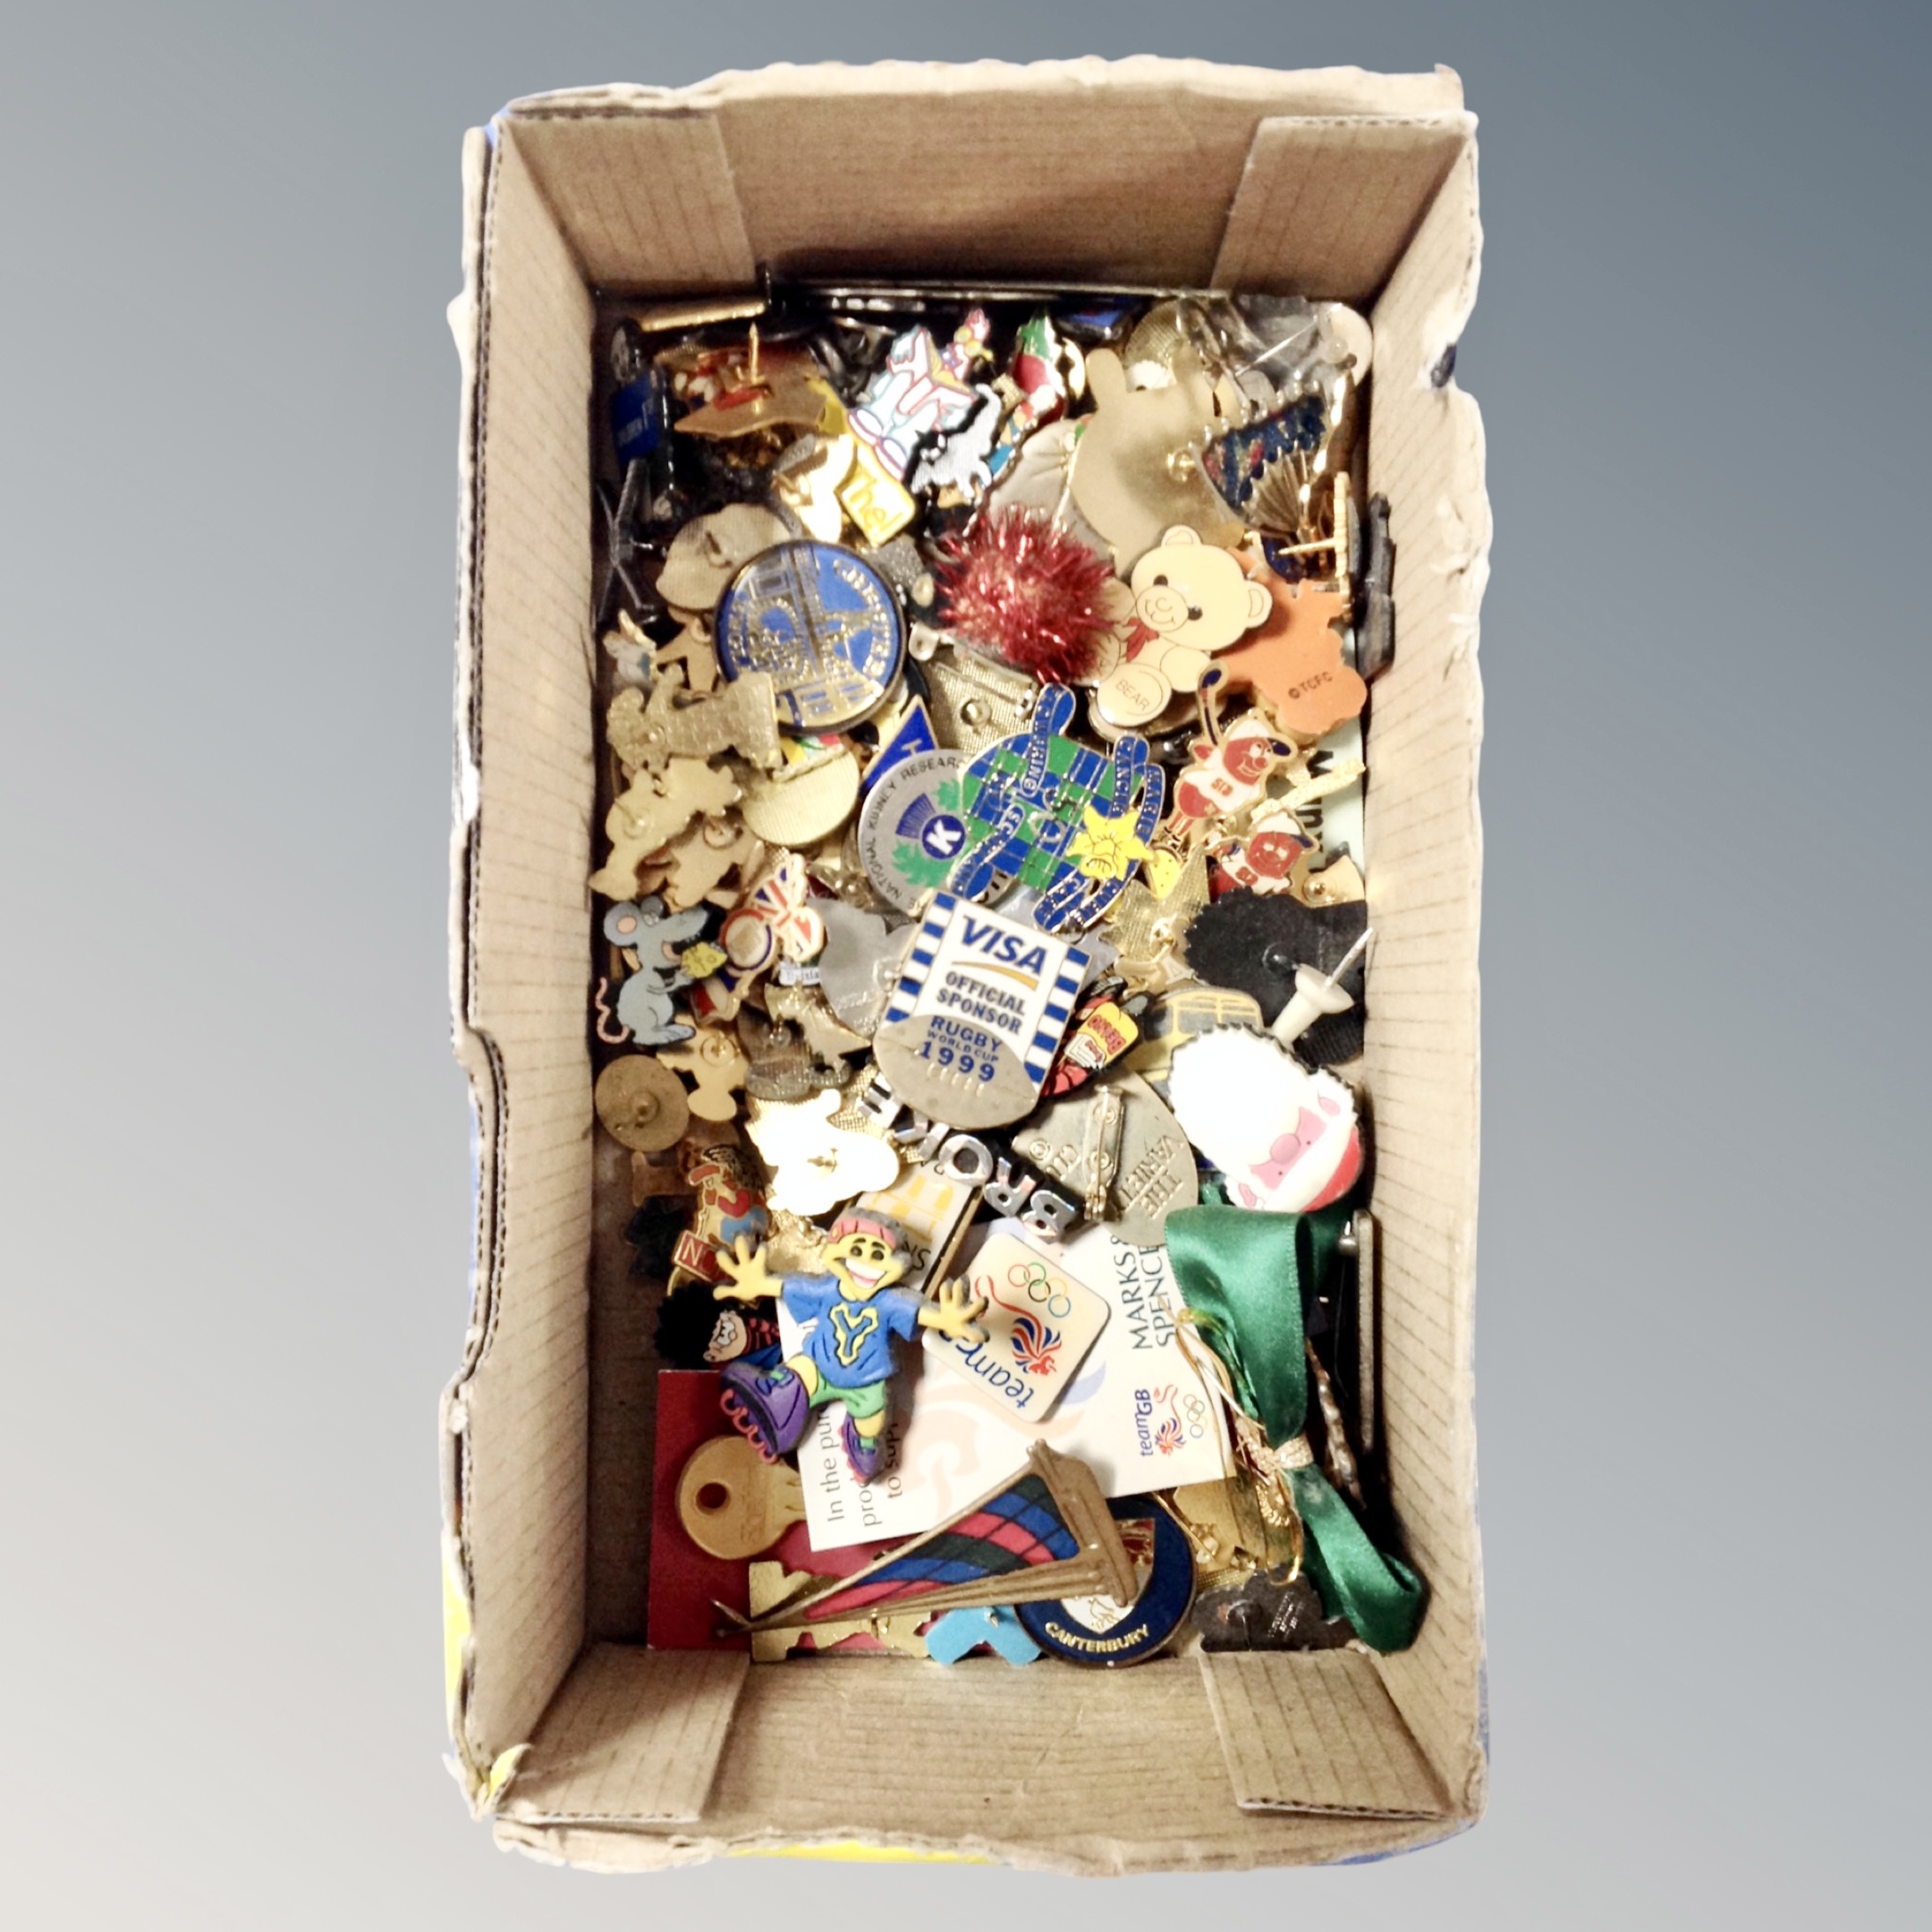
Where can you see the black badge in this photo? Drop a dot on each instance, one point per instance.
(1252, 942)
(1269, 1612)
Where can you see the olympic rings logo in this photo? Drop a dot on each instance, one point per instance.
(1031, 1280)
(1190, 1410)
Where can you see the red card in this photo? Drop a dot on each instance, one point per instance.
(684, 1581)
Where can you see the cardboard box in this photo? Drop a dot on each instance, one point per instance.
(581, 1743)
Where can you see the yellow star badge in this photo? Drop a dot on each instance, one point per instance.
(1104, 847)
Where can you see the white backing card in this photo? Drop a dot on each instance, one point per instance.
(1137, 1413)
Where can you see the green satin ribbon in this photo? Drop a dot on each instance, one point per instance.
(1243, 1273)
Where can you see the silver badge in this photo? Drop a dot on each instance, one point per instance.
(912, 828)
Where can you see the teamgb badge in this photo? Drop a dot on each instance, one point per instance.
(823, 624)
(1097, 1630)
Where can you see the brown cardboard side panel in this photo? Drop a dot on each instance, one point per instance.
(466, 325)
(527, 724)
(1072, 171)
(650, 200)
(1308, 90)
(1068, 182)
(1425, 847)
(472, 1051)
(1325, 206)
(1316, 1732)
(633, 1735)
(1091, 1771)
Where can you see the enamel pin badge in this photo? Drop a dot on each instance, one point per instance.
(911, 832)
(1046, 813)
(972, 1029)
(1107, 1631)
(823, 624)
(1039, 1326)
(1286, 1139)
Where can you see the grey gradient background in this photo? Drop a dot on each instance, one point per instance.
(234, 1185)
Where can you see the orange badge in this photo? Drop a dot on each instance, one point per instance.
(1294, 660)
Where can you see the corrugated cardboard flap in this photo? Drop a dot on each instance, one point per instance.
(1309, 90)
(1315, 1731)
(1074, 1770)
(1077, 171)
(515, 1418)
(1425, 846)
(1327, 203)
(633, 1735)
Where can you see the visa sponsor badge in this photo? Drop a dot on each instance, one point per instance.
(973, 1026)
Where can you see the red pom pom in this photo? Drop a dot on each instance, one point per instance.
(1028, 592)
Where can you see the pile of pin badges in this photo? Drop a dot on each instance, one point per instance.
(981, 880)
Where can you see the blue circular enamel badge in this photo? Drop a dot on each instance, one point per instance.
(824, 623)
(1097, 1630)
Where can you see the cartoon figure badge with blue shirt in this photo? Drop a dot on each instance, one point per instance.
(850, 1318)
